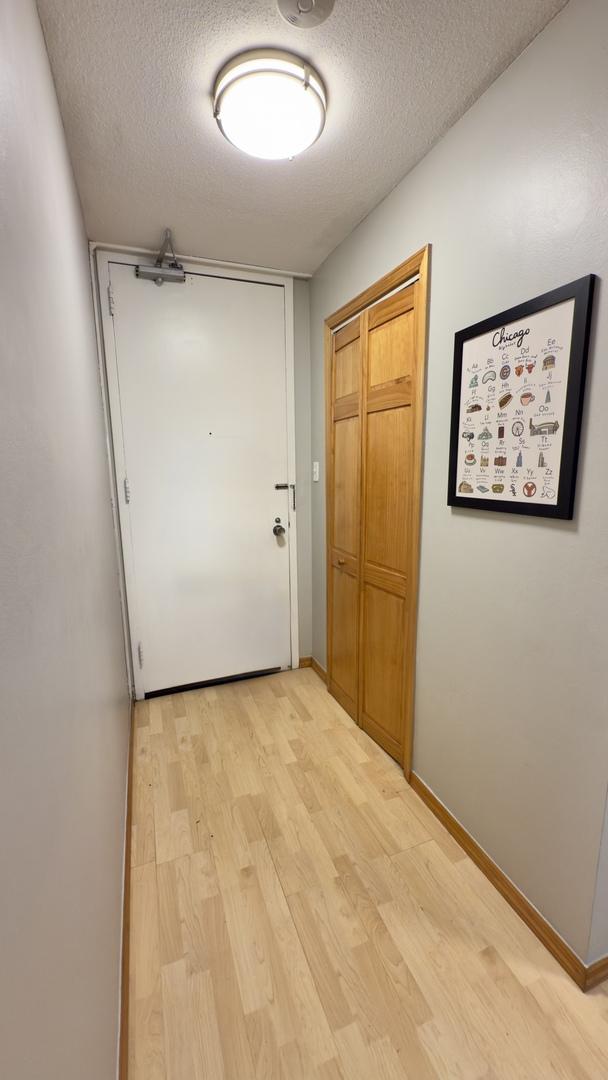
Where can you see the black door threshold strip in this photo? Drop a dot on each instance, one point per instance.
(210, 682)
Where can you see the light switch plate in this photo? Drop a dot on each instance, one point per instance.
(315, 471)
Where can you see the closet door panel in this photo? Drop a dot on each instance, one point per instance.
(388, 432)
(344, 516)
(347, 369)
(388, 460)
(346, 483)
(391, 349)
(344, 643)
(383, 671)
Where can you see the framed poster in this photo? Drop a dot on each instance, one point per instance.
(517, 400)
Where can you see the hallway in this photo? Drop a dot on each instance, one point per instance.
(297, 912)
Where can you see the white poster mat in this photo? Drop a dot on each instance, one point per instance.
(512, 405)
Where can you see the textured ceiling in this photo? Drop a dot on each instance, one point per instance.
(134, 79)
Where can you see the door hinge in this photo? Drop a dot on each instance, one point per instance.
(111, 304)
(140, 654)
(127, 488)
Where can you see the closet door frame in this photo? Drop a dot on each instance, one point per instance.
(413, 270)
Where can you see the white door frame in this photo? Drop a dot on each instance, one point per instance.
(101, 257)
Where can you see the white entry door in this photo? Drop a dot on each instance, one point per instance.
(199, 409)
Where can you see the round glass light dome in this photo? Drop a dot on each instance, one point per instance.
(269, 104)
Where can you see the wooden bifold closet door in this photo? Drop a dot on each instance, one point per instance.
(345, 516)
(375, 387)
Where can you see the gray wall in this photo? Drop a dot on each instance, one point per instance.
(301, 304)
(64, 709)
(598, 938)
(511, 718)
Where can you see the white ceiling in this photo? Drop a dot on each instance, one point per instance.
(134, 79)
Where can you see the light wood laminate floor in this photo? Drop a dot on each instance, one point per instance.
(297, 912)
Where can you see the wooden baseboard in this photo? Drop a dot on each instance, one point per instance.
(320, 671)
(596, 973)
(584, 976)
(309, 661)
(123, 1051)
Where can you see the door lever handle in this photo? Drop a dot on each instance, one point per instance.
(277, 528)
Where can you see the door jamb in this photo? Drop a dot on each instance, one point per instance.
(100, 259)
(416, 267)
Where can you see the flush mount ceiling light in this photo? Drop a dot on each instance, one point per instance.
(270, 104)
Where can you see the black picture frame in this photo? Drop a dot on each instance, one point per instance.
(581, 291)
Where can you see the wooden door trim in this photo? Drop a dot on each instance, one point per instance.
(328, 346)
(421, 316)
(418, 265)
(364, 320)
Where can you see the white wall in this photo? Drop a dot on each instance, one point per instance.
(511, 700)
(301, 303)
(64, 709)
